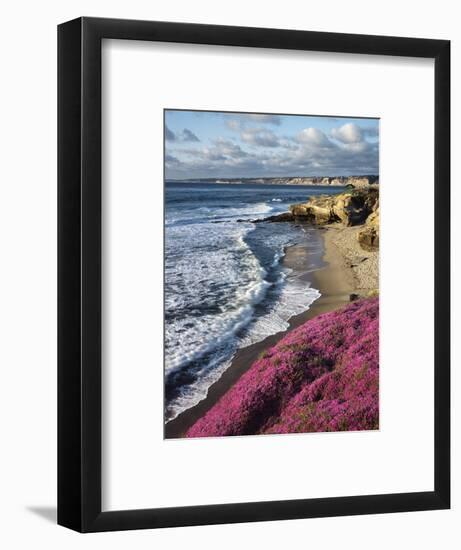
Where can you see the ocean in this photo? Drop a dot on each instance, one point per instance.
(225, 283)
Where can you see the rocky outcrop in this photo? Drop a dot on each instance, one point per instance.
(369, 236)
(357, 207)
(351, 208)
(284, 217)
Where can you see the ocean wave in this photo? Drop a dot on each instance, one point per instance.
(200, 342)
(294, 298)
(205, 214)
(233, 281)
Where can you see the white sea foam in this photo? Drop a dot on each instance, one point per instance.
(186, 217)
(294, 298)
(233, 267)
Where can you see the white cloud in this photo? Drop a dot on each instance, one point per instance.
(221, 150)
(259, 137)
(314, 137)
(348, 133)
(356, 147)
(228, 147)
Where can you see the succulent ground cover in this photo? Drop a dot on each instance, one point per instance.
(322, 376)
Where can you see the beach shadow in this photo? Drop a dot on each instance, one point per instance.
(49, 513)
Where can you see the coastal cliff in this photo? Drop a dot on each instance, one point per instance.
(333, 181)
(322, 376)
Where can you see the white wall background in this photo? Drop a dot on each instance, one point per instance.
(28, 272)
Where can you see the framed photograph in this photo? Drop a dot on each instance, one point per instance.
(254, 274)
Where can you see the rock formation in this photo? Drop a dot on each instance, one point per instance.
(352, 208)
(369, 236)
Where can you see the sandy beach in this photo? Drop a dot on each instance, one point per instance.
(348, 270)
(341, 244)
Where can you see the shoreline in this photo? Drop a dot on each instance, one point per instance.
(336, 281)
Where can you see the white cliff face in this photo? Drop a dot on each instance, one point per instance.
(356, 181)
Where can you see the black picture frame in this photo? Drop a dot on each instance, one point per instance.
(79, 274)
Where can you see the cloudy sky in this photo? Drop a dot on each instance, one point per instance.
(201, 144)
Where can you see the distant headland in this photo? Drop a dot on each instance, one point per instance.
(337, 181)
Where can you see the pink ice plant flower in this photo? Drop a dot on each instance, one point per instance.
(322, 376)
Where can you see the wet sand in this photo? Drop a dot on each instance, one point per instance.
(336, 282)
